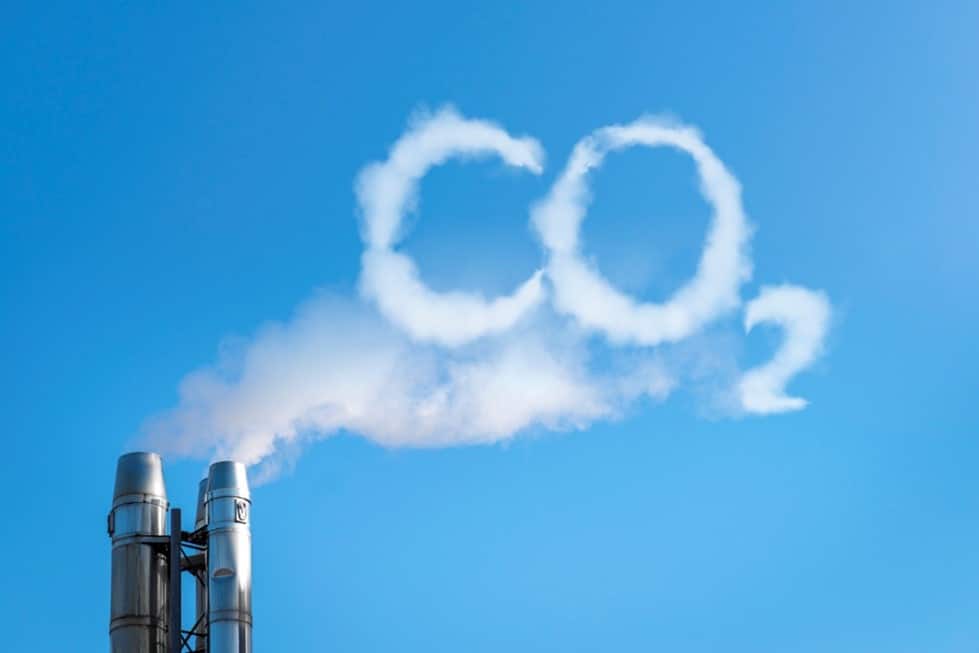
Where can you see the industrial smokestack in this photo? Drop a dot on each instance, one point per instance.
(147, 563)
(138, 621)
(229, 559)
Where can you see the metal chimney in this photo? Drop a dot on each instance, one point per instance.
(229, 559)
(148, 563)
(138, 621)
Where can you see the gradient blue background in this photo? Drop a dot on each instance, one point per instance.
(173, 175)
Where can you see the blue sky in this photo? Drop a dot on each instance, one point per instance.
(175, 177)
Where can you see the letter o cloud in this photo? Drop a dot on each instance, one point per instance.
(386, 190)
(581, 291)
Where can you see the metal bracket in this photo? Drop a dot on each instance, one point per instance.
(179, 561)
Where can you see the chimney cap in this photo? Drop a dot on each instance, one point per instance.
(228, 478)
(139, 473)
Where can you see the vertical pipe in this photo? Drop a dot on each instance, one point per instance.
(173, 596)
(138, 616)
(200, 615)
(229, 559)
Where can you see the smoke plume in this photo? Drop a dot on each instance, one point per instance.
(404, 365)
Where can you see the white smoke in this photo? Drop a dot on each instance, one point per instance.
(414, 367)
(804, 315)
(386, 190)
(336, 366)
(583, 292)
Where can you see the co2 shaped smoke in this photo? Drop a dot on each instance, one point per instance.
(387, 190)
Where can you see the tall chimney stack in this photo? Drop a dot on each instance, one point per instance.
(138, 621)
(229, 559)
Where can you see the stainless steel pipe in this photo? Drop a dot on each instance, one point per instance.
(229, 559)
(138, 619)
